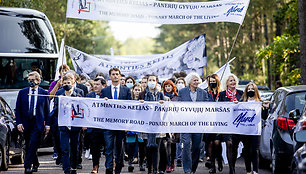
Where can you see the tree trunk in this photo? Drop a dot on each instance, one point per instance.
(302, 17)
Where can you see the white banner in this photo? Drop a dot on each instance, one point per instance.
(153, 117)
(158, 12)
(188, 57)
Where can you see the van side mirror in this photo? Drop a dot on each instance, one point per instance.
(295, 115)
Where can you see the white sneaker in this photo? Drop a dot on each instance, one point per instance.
(90, 157)
(87, 153)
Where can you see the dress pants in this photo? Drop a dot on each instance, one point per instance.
(32, 139)
(191, 151)
(69, 145)
(97, 141)
(114, 138)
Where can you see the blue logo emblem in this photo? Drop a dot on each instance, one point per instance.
(242, 118)
(234, 9)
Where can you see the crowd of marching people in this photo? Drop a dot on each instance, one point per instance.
(150, 152)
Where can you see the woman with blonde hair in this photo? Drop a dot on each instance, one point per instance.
(231, 94)
(251, 142)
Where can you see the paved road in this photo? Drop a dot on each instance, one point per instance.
(47, 166)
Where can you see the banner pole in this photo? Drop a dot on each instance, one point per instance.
(65, 32)
(226, 64)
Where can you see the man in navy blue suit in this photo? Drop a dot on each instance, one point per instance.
(96, 134)
(32, 117)
(117, 92)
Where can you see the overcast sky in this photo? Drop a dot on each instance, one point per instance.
(124, 30)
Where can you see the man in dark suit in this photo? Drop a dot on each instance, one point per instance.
(117, 92)
(68, 136)
(32, 116)
(96, 135)
(192, 93)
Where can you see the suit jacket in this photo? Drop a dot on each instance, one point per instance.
(184, 95)
(91, 95)
(42, 109)
(54, 114)
(124, 93)
(223, 97)
(83, 88)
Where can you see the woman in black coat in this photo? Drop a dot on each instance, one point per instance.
(231, 94)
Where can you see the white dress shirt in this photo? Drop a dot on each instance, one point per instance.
(35, 99)
(113, 90)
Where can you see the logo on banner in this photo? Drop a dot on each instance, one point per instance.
(84, 6)
(234, 10)
(244, 120)
(79, 110)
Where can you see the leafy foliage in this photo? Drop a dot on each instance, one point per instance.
(284, 52)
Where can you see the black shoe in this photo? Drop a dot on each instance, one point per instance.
(130, 168)
(73, 171)
(208, 164)
(79, 166)
(109, 171)
(178, 163)
(27, 171)
(141, 168)
(35, 168)
(220, 165)
(212, 170)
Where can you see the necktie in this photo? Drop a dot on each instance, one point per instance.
(115, 93)
(31, 112)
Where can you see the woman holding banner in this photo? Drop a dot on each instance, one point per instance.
(214, 150)
(191, 141)
(153, 140)
(231, 94)
(251, 142)
(170, 91)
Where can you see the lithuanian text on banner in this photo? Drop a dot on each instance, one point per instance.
(188, 57)
(153, 117)
(158, 12)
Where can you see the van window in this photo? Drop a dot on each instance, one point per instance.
(25, 35)
(14, 71)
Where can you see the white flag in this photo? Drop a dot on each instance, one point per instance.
(227, 71)
(60, 61)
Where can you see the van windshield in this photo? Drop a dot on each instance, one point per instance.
(25, 35)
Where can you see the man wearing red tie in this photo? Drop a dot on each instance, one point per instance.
(32, 117)
(117, 92)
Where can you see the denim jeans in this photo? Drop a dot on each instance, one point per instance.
(69, 139)
(110, 136)
(179, 151)
(191, 151)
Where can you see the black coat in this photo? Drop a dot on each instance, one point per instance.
(223, 98)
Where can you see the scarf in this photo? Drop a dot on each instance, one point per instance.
(231, 95)
(170, 95)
